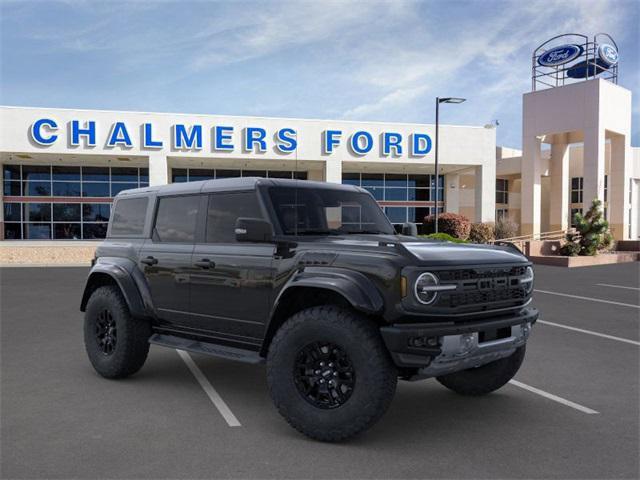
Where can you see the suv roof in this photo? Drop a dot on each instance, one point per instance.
(229, 184)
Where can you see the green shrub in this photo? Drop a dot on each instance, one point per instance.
(443, 237)
(505, 228)
(457, 226)
(592, 233)
(572, 247)
(482, 232)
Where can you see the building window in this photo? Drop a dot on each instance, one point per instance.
(502, 213)
(392, 187)
(576, 189)
(606, 187)
(179, 175)
(75, 204)
(502, 191)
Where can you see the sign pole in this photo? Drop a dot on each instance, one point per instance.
(436, 166)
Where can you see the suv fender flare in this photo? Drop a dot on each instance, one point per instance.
(129, 279)
(354, 287)
(358, 290)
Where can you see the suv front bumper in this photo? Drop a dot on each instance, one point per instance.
(439, 348)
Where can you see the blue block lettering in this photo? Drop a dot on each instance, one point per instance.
(287, 141)
(119, 136)
(38, 136)
(221, 138)
(356, 145)
(253, 136)
(187, 139)
(89, 131)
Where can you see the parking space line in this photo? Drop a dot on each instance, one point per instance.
(616, 286)
(211, 392)
(553, 397)
(590, 332)
(588, 298)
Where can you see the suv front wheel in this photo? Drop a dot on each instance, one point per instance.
(329, 374)
(116, 343)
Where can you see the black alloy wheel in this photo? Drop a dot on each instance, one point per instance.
(106, 332)
(324, 375)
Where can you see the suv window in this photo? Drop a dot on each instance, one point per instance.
(176, 219)
(128, 217)
(224, 209)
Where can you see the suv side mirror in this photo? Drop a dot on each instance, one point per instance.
(410, 229)
(254, 230)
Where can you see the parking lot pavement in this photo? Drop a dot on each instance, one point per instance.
(61, 420)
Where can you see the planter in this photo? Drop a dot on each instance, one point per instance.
(602, 259)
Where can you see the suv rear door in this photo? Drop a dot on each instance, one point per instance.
(232, 282)
(165, 259)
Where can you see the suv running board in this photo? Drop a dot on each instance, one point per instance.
(196, 346)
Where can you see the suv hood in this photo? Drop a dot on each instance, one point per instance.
(445, 253)
(430, 252)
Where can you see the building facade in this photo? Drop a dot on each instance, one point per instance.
(61, 168)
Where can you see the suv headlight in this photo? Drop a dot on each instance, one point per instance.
(527, 280)
(427, 287)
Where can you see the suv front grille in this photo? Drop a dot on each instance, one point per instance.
(449, 276)
(483, 288)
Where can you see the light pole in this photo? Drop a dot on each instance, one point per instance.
(438, 102)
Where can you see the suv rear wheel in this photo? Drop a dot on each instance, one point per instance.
(484, 379)
(329, 374)
(116, 343)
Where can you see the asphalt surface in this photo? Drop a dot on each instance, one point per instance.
(59, 419)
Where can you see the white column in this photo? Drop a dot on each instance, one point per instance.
(531, 173)
(333, 171)
(593, 166)
(619, 186)
(158, 169)
(485, 192)
(452, 192)
(559, 204)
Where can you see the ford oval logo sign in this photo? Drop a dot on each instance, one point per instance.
(560, 55)
(608, 54)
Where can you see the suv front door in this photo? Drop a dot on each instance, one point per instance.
(165, 259)
(232, 281)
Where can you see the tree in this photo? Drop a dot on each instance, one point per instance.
(592, 233)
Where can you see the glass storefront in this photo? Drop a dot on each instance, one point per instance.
(195, 174)
(406, 197)
(74, 203)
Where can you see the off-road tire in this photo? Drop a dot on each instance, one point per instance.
(485, 379)
(375, 374)
(132, 335)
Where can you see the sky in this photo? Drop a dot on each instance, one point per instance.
(343, 60)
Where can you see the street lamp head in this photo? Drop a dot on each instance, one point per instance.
(451, 100)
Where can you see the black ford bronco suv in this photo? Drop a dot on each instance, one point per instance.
(312, 279)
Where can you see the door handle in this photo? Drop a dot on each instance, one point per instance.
(149, 261)
(205, 263)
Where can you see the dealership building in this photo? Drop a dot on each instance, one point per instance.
(61, 168)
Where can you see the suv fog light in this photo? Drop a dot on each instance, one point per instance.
(423, 342)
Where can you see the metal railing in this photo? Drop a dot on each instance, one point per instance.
(520, 241)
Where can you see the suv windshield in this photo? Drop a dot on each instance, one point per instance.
(306, 211)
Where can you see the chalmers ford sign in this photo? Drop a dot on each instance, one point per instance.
(220, 138)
